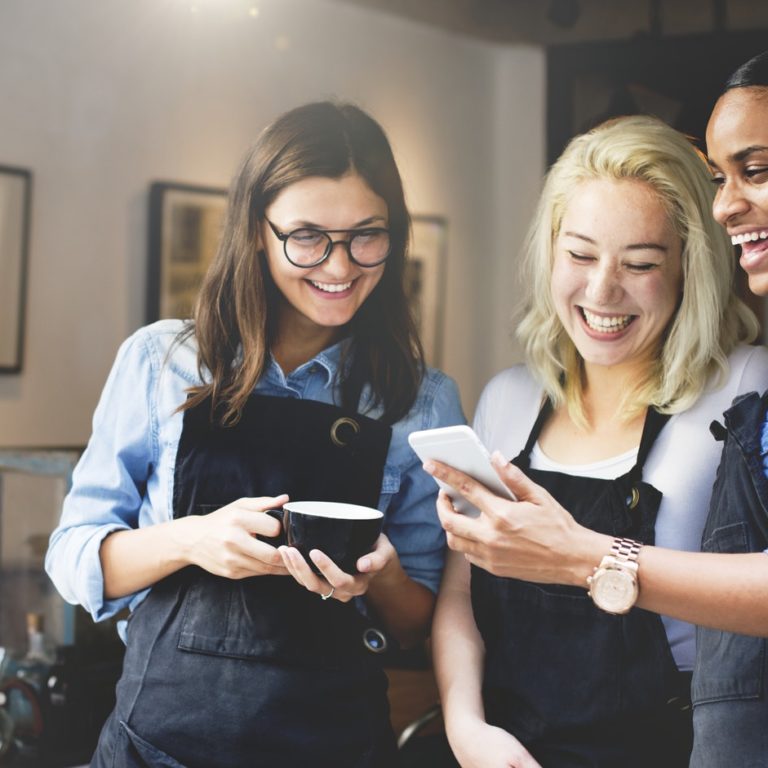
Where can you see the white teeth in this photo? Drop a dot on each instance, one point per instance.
(749, 237)
(331, 287)
(612, 324)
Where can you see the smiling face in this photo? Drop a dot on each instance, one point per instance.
(617, 273)
(737, 146)
(318, 302)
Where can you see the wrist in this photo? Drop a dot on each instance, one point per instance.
(182, 538)
(587, 550)
(614, 585)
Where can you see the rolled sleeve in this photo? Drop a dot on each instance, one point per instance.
(412, 524)
(108, 483)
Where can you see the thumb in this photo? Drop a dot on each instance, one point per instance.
(514, 478)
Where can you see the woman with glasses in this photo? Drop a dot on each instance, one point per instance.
(300, 377)
(635, 343)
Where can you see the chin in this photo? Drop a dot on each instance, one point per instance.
(758, 284)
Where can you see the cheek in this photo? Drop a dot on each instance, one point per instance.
(563, 283)
(664, 299)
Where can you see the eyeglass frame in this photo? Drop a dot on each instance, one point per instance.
(284, 237)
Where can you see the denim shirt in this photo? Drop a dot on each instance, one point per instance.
(125, 477)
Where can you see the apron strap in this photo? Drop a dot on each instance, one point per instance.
(654, 423)
(523, 459)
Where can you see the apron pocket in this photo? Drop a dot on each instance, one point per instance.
(270, 618)
(732, 538)
(554, 660)
(135, 752)
(728, 666)
(540, 651)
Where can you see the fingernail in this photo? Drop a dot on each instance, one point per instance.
(429, 467)
(363, 564)
(498, 459)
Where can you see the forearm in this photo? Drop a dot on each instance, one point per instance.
(132, 560)
(457, 648)
(404, 606)
(723, 591)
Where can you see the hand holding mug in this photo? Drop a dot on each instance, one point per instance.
(228, 541)
(332, 581)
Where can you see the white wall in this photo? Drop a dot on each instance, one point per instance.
(101, 97)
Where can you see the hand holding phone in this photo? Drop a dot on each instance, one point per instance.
(459, 447)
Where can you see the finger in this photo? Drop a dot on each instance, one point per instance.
(307, 576)
(291, 560)
(263, 525)
(333, 574)
(515, 479)
(455, 523)
(260, 503)
(377, 560)
(467, 486)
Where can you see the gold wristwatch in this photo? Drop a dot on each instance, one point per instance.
(613, 586)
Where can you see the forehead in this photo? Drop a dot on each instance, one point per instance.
(327, 201)
(623, 204)
(739, 120)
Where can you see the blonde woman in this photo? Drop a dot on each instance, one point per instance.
(635, 342)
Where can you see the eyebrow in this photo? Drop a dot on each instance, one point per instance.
(741, 155)
(631, 247)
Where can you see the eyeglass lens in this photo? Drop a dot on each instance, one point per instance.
(305, 247)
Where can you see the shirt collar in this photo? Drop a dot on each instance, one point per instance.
(328, 360)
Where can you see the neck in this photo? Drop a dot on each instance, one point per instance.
(296, 342)
(606, 387)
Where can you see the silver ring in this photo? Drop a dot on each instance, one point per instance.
(330, 594)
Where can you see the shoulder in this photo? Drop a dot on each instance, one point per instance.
(747, 362)
(165, 343)
(438, 401)
(747, 372)
(512, 388)
(507, 408)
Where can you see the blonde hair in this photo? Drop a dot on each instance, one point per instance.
(710, 320)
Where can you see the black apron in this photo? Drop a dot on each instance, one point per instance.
(256, 672)
(576, 685)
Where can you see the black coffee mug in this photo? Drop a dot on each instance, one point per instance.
(344, 532)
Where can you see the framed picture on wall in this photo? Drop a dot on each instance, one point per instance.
(425, 281)
(185, 223)
(15, 202)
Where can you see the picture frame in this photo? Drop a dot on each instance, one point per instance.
(185, 223)
(15, 208)
(425, 281)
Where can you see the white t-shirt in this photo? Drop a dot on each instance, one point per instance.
(682, 463)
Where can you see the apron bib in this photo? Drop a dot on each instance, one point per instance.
(578, 686)
(256, 672)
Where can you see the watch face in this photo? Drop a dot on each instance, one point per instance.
(614, 590)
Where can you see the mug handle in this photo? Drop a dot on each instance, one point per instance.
(280, 515)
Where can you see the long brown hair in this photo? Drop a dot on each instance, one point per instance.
(235, 314)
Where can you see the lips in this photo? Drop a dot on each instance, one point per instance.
(606, 323)
(331, 287)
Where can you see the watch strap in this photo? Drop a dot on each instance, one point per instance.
(626, 550)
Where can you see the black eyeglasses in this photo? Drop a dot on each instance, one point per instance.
(307, 247)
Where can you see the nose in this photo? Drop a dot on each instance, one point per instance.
(338, 263)
(730, 201)
(604, 287)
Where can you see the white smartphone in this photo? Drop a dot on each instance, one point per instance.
(459, 447)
